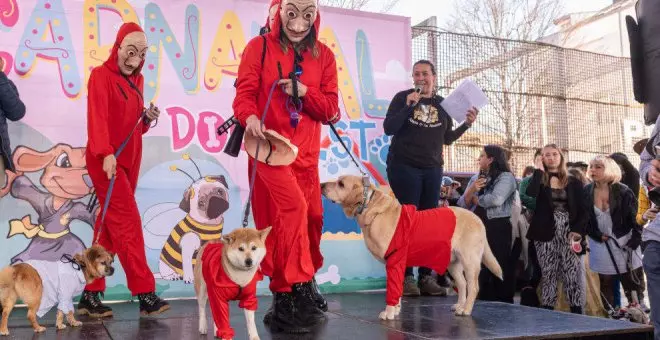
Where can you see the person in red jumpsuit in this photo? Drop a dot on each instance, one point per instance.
(114, 105)
(221, 289)
(288, 198)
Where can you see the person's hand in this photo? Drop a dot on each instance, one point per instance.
(152, 112)
(477, 185)
(287, 86)
(573, 235)
(2, 64)
(649, 214)
(253, 127)
(604, 238)
(110, 165)
(471, 115)
(413, 98)
(654, 173)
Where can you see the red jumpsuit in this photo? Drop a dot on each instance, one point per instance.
(418, 242)
(221, 289)
(113, 108)
(288, 198)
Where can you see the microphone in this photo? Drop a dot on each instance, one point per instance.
(418, 90)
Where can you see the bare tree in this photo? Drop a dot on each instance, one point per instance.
(358, 4)
(508, 70)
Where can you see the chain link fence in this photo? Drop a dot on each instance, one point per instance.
(538, 94)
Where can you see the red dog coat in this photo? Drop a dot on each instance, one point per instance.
(221, 289)
(422, 239)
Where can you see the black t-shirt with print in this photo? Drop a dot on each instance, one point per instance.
(419, 132)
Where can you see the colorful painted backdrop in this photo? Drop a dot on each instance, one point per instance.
(195, 47)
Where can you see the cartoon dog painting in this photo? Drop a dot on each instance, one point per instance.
(204, 202)
(65, 179)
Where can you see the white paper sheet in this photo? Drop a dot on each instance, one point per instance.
(459, 101)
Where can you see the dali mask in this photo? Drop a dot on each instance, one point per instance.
(132, 52)
(298, 18)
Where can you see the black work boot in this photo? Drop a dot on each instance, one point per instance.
(151, 304)
(269, 312)
(318, 297)
(91, 305)
(296, 312)
(576, 309)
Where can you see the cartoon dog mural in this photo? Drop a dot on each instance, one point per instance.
(204, 202)
(65, 178)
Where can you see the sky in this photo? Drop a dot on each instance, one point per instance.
(419, 10)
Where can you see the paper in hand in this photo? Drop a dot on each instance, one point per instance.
(459, 101)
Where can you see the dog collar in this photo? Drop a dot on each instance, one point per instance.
(366, 199)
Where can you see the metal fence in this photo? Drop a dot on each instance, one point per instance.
(538, 94)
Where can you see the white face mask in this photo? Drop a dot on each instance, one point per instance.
(298, 18)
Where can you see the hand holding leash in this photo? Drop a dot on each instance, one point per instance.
(110, 165)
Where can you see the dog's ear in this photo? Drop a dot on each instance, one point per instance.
(227, 239)
(80, 258)
(29, 160)
(264, 233)
(185, 201)
(223, 180)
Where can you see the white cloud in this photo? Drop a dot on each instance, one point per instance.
(393, 71)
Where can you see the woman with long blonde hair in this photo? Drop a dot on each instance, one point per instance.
(614, 234)
(559, 220)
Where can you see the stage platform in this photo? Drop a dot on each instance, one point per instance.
(352, 317)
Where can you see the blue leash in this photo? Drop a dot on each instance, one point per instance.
(112, 180)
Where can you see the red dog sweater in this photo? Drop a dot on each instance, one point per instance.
(221, 289)
(421, 239)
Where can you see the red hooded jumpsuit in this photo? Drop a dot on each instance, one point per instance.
(221, 289)
(288, 198)
(113, 108)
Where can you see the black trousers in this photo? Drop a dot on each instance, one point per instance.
(416, 186)
(499, 234)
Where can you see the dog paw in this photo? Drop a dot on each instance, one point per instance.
(4, 332)
(388, 313)
(202, 327)
(75, 323)
(60, 326)
(254, 337)
(40, 329)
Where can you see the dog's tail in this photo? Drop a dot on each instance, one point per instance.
(490, 261)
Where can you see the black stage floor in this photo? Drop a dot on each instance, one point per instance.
(351, 316)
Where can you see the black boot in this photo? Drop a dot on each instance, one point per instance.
(91, 305)
(269, 312)
(320, 300)
(151, 304)
(576, 309)
(297, 311)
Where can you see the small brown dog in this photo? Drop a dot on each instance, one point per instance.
(228, 270)
(44, 284)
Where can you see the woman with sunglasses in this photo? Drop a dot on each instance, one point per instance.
(420, 128)
(288, 198)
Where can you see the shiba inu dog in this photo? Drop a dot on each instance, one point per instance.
(228, 270)
(400, 236)
(44, 284)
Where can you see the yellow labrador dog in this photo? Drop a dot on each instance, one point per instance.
(387, 227)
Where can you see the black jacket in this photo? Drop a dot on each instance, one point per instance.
(623, 210)
(542, 227)
(11, 108)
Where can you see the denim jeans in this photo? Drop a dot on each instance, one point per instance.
(416, 186)
(651, 263)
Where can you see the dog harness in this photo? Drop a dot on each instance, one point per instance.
(61, 282)
(421, 239)
(221, 289)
